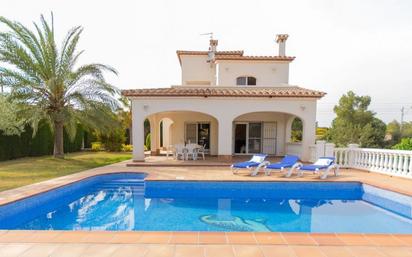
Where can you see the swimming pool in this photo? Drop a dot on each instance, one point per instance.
(125, 201)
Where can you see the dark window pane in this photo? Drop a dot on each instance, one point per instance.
(241, 81)
(251, 81)
(255, 130)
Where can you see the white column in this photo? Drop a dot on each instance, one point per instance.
(308, 137)
(138, 133)
(225, 132)
(154, 135)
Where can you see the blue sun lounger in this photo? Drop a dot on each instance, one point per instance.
(255, 161)
(325, 164)
(289, 161)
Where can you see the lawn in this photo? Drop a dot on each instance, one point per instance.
(24, 171)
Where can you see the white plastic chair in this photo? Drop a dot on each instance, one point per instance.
(192, 151)
(201, 150)
(180, 150)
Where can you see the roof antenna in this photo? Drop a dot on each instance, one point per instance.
(208, 34)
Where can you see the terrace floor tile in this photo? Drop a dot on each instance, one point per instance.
(277, 251)
(212, 238)
(219, 250)
(185, 238)
(299, 239)
(265, 238)
(307, 251)
(241, 238)
(326, 239)
(155, 237)
(189, 251)
(247, 251)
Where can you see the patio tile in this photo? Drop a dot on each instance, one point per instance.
(269, 238)
(160, 251)
(277, 251)
(17, 236)
(307, 251)
(71, 236)
(130, 251)
(189, 251)
(298, 239)
(335, 251)
(240, 238)
(212, 238)
(354, 239)
(98, 237)
(39, 250)
(100, 250)
(407, 239)
(13, 250)
(155, 237)
(43, 236)
(184, 238)
(384, 240)
(395, 251)
(126, 237)
(219, 250)
(326, 239)
(365, 251)
(247, 251)
(69, 250)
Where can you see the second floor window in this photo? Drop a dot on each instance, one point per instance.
(246, 81)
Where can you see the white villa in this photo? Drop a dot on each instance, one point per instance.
(232, 103)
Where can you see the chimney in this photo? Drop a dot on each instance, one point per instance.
(212, 50)
(281, 40)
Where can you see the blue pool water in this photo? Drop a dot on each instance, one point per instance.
(126, 202)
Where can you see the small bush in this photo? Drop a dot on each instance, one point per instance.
(127, 148)
(148, 142)
(97, 146)
(405, 144)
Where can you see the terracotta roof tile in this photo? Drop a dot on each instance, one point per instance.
(236, 55)
(291, 91)
(184, 52)
(256, 58)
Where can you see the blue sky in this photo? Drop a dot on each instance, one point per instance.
(364, 46)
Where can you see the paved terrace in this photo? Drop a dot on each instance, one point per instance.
(184, 244)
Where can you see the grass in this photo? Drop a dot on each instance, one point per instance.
(24, 171)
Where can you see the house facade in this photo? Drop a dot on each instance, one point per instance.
(231, 103)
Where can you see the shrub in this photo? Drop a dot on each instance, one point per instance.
(127, 148)
(405, 144)
(148, 142)
(97, 146)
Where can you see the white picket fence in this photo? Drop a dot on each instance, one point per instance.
(390, 162)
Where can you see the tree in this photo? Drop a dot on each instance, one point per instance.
(393, 129)
(354, 123)
(297, 130)
(48, 83)
(10, 123)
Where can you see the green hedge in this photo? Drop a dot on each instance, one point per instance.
(12, 147)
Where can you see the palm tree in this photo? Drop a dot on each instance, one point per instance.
(48, 83)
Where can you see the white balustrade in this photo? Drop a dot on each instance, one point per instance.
(391, 162)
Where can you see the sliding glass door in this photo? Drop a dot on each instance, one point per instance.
(254, 137)
(198, 133)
